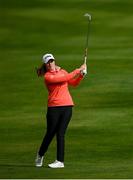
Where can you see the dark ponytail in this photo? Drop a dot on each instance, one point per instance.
(41, 70)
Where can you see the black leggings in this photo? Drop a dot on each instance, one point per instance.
(57, 121)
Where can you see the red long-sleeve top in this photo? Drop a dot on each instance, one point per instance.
(57, 84)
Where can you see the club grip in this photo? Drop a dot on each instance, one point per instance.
(85, 59)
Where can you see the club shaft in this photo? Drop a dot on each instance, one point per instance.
(87, 41)
(88, 31)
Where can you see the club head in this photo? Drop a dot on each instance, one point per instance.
(88, 15)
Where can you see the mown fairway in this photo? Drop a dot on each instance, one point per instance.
(99, 141)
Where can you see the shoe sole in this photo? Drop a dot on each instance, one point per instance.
(55, 167)
(38, 165)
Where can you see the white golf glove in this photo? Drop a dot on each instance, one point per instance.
(84, 72)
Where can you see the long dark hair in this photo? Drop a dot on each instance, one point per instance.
(41, 70)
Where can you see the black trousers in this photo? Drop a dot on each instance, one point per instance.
(57, 121)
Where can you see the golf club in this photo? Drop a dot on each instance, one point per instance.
(88, 32)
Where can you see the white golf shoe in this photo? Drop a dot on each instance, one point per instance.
(39, 161)
(56, 164)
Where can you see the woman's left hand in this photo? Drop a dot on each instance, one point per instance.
(83, 69)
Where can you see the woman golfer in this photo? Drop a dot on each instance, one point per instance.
(60, 105)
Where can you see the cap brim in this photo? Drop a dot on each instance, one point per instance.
(48, 59)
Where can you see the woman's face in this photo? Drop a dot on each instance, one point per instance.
(50, 65)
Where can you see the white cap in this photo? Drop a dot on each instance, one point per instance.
(47, 57)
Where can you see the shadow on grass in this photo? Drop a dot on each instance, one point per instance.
(22, 165)
(17, 165)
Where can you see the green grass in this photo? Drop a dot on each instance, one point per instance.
(99, 140)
